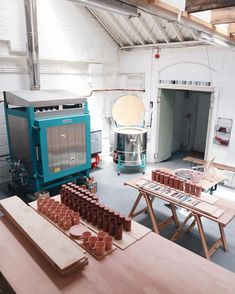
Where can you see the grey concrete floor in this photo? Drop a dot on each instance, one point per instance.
(112, 192)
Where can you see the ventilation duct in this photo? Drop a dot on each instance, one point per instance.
(32, 44)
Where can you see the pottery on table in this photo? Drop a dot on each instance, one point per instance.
(127, 224)
(101, 235)
(94, 216)
(108, 243)
(100, 248)
(85, 236)
(91, 241)
(67, 222)
(153, 175)
(187, 187)
(106, 222)
(162, 176)
(171, 182)
(157, 179)
(193, 188)
(166, 180)
(112, 223)
(75, 216)
(61, 216)
(198, 190)
(118, 230)
(100, 216)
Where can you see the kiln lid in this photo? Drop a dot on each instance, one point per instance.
(128, 110)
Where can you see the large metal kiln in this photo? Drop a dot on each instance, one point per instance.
(49, 137)
(130, 140)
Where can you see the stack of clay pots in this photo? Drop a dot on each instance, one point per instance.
(91, 210)
(176, 183)
(58, 212)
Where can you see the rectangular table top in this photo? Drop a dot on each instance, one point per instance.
(151, 265)
(227, 206)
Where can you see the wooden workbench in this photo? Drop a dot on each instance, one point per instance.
(225, 206)
(151, 265)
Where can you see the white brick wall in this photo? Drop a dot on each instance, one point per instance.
(69, 40)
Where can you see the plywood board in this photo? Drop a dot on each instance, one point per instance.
(62, 252)
(138, 231)
(208, 198)
(67, 233)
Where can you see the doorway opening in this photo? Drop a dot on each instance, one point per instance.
(184, 122)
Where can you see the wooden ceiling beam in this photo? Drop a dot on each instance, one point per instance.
(202, 5)
(223, 15)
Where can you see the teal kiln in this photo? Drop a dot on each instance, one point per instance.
(49, 137)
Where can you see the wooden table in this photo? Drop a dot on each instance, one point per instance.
(227, 206)
(152, 265)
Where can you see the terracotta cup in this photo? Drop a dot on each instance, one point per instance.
(40, 204)
(69, 212)
(39, 201)
(106, 222)
(127, 224)
(176, 183)
(51, 201)
(91, 241)
(171, 181)
(85, 236)
(187, 187)
(162, 176)
(47, 210)
(158, 176)
(56, 215)
(112, 222)
(67, 222)
(101, 235)
(193, 189)
(100, 248)
(198, 191)
(153, 175)
(43, 207)
(75, 218)
(60, 206)
(118, 230)
(108, 243)
(181, 185)
(166, 180)
(51, 210)
(61, 216)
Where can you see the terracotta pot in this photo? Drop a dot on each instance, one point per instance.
(94, 216)
(47, 198)
(181, 185)
(193, 189)
(43, 207)
(198, 191)
(50, 201)
(153, 175)
(96, 198)
(51, 210)
(100, 216)
(187, 187)
(91, 241)
(69, 212)
(116, 215)
(106, 222)
(101, 235)
(85, 236)
(61, 216)
(162, 176)
(108, 243)
(111, 212)
(101, 208)
(89, 213)
(55, 215)
(112, 223)
(75, 218)
(40, 204)
(122, 218)
(48, 207)
(67, 222)
(100, 248)
(118, 230)
(84, 211)
(127, 224)
(39, 201)
(171, 181)
(158, 176)
(176, 183)
(166, 180)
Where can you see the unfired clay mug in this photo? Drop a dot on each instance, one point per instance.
(101, 235)
(85, 236)
(108, 243)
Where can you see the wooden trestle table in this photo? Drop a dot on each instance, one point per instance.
(227, 206)
(151, 265)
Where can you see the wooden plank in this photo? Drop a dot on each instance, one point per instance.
(134, 270)
(122, 244)
(202, 5)
(224, 15)
(202, 162)
(231, 28)
(67, 233)
(60, 251)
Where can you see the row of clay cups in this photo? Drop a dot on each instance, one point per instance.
(176, 183)
(75, 188)
(58, 212)
(100, 243)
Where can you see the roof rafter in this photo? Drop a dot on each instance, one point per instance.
(161, 29)
(134, 30)
(147, 30)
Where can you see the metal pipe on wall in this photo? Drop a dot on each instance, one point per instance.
(32, 44)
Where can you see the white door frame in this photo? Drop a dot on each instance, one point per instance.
(211, 115)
